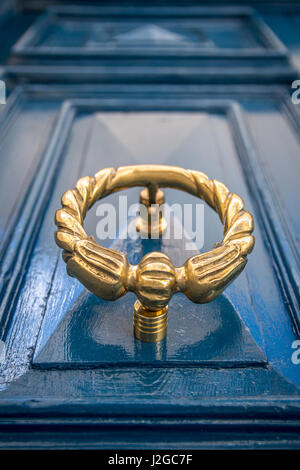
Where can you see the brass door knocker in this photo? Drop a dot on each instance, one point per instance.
(107, 273)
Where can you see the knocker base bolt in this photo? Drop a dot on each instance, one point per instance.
(149, 325)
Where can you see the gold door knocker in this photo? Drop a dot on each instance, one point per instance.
(107, 273)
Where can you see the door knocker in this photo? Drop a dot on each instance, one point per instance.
(108, 274)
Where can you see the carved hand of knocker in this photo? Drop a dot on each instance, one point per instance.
(107, 273)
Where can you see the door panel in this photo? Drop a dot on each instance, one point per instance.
(149, 44)
(87, 137)
(64, 31)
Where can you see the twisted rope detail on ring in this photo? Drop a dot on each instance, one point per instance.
(107, 273)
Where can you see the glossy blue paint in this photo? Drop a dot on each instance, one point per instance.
(72, 375)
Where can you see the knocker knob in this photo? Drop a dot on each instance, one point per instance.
(155, 284)
(107, 273)
(155, 280)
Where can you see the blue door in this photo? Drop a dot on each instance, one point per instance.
(200, 87)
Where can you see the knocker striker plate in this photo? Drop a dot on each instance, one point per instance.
(108, 274)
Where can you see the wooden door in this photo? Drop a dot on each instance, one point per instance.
(204, 88)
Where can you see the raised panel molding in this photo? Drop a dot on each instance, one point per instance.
(197, 44)
(64, 31)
